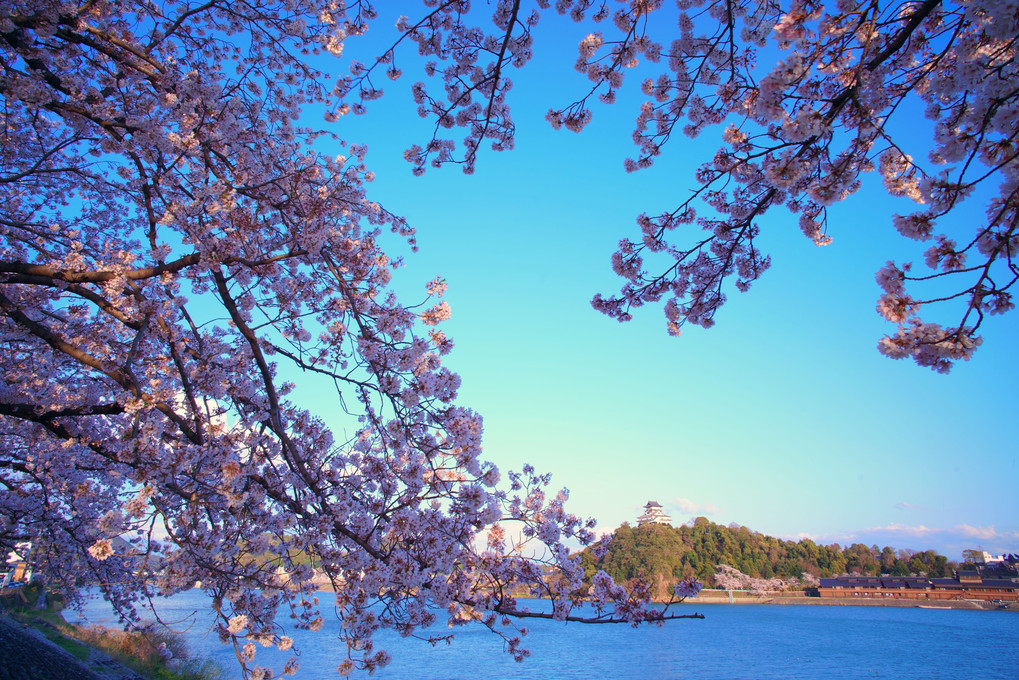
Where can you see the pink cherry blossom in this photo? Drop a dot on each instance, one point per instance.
(800, 133)
(173, 249)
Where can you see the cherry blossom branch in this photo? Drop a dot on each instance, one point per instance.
(516, 613)
(99, 276)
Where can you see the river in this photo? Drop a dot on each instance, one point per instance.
(732, 641)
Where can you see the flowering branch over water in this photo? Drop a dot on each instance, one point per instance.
(837, 98)
(173, 245)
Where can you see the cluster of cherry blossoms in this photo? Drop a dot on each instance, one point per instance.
(474, 86)
(174, 248)
(729, 578)
(801, 132)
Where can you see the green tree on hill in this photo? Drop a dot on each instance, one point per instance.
(661, 554)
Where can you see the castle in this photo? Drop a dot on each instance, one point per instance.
(653, 514)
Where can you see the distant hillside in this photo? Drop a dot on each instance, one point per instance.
(664, 554)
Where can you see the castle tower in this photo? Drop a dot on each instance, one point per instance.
(653, 514)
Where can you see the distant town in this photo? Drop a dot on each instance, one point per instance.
(736, 559)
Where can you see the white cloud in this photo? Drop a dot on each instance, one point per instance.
(987, 533)
(805, 535)
(902, 529)
(980, 532)
(685, 506)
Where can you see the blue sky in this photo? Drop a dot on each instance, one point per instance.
(783, 417)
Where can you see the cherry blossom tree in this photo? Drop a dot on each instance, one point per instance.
(808, 96)
(175, 245)
(730, 578)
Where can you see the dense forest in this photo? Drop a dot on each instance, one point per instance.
(662, 554)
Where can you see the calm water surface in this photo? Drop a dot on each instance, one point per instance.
(733, 641)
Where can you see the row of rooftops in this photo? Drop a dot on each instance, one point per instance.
(917, 582)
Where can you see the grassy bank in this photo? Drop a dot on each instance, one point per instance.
(150, 653)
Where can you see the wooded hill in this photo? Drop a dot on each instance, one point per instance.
(663, 554)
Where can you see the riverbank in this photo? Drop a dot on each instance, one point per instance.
(743, 599)
(26, 653)
(37, 643)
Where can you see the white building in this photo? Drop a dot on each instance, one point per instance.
(17, 568)
(988, 558)
(653, 514)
